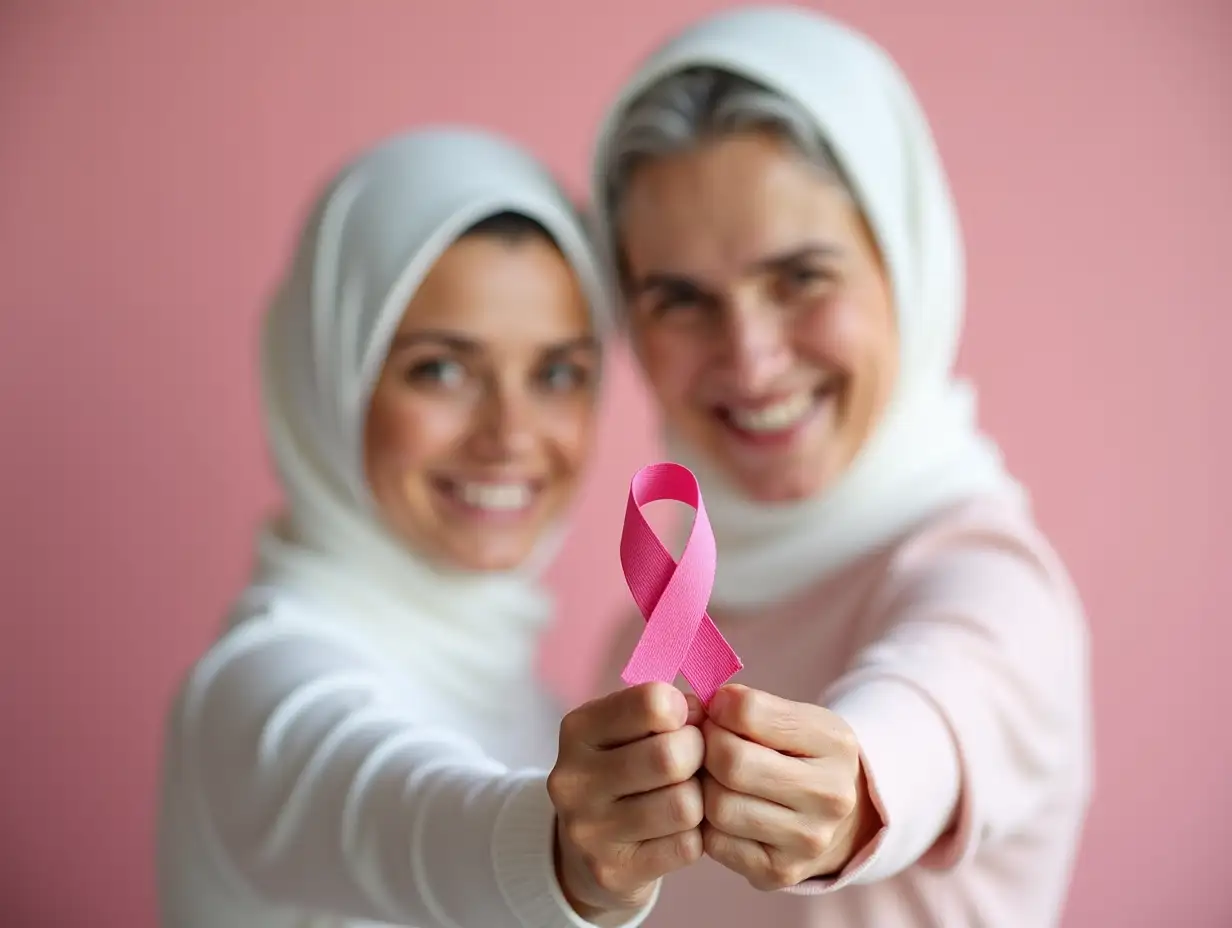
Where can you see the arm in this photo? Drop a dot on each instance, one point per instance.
(967, 707)
(325, 786)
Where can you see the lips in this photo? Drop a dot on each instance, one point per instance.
(776, 420)
(506, 497)
(773, 417)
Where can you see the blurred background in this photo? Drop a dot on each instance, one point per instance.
(154, 158)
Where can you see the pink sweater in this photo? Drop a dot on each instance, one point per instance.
(959, 657)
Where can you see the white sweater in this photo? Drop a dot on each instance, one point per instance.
(309, 783)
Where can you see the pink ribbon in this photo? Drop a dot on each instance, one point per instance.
(679, 637)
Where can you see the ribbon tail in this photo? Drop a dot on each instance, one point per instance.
(664, 646)
(710, 662)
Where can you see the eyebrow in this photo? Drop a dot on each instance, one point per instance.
(465, 345)
(450, 340)
(655, 280)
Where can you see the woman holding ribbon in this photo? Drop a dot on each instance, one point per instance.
(366, 742)
(910, 742)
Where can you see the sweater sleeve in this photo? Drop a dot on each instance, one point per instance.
(968, 707)
(321, 785)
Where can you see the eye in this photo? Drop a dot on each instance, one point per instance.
(803, 280)
(678, 300)
(438, 372)
(563, 376)
(805, 275)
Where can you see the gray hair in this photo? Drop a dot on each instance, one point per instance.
(691, 107)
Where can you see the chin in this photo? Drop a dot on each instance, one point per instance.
(496, 561)
(792, 478)
(788, 487)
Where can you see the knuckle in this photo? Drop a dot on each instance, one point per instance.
(608, 875)
(783, 874)
(845, 741)
(690, 748)
(689, 846)
(575, 722)
(813, 842)
(752, 706)
(829, 835)
(563, 787)
(669, 759)
(841, 804)
(573, 727)
(660, 703)
(686, 807)
(724, 760)
(581, 834)
(691, 736)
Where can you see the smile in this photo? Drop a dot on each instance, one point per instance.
(775, 417)
(775, 421)
(505, 498)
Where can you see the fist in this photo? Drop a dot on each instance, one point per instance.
(785, 793)
(627, 797)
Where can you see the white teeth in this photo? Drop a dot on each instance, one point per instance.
(774, 418)
(497, 496)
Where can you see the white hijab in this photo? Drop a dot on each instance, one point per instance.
(369, 241)
(927, 452)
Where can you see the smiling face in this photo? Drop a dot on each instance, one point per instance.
(480, 423)
(760, 311)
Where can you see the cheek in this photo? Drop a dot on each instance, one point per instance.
(835, 335)
(570, 427)
(856, 338)
(405, 432)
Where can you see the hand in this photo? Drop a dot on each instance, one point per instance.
(628, 802)
(785, 794)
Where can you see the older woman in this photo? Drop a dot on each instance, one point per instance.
(911, 742)
(367, 742)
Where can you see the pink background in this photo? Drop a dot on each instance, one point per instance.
(152, 161)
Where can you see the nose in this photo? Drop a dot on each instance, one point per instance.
(506, 425)
(757, 345)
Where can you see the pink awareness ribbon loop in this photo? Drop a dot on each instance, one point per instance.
(679, 637)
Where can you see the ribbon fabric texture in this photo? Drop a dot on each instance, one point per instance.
(679, 637)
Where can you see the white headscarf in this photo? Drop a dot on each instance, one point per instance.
(927, 452)
(369, 241)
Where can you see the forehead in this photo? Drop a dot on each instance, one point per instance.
(497, 290)
(726, 204)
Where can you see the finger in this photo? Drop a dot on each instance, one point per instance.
(657, 814)
(742, 816)
(661, 856)
(625, 716)
(740, 855)
(747, 767)
(646, 765)
(796, 728)
(753, 861)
